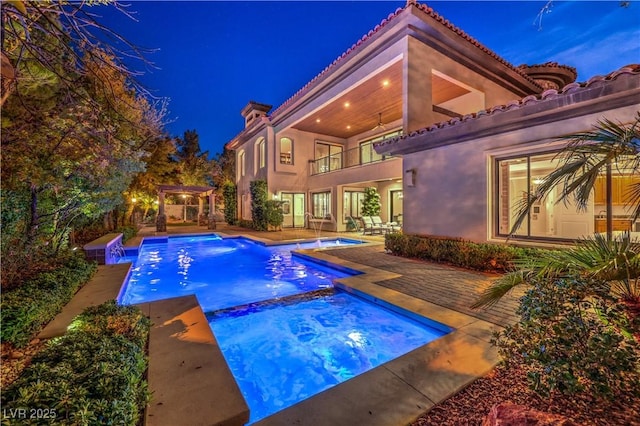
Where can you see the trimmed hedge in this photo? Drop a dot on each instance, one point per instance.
(26, 309)
(92, 375)
(455, 251)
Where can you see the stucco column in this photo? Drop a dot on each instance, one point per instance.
(161, 220)
(417, 91)
(212, 211)
(202, 219)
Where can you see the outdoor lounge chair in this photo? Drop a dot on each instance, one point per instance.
(386, 227)
(369, 227)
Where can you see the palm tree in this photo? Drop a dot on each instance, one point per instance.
(587, 155)
(615, 262)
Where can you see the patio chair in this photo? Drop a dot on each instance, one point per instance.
(377, 221)
(369, 227)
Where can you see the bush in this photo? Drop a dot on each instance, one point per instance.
(274, 214)
(259, 194)
(572, 337)
(92, 375)
(455, 251)
(26, 309)
(230, 202)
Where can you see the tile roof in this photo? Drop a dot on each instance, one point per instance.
(569, 89)
(356, 47)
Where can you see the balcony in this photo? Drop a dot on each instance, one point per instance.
(354, 157)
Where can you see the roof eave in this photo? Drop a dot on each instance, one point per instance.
(554, 106)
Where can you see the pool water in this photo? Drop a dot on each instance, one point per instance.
(224, 272)
(282, 354)
(285, 331)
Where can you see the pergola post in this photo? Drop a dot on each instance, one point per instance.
(161, 220)
(212, 211)
(202, 218)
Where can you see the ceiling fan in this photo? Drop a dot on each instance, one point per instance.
(380, 125)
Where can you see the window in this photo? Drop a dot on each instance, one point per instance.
(516, 179)
(328, 157)
(368, 154)
(321, 205)
(241, 163)
(353, 204)
(261, 154)
(286, 151)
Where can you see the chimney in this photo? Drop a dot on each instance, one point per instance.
(254, 110)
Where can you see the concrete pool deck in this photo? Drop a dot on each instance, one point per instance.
(395, 393)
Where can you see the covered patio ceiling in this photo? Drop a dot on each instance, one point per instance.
(358, 110)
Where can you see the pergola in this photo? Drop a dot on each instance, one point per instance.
(200, 191)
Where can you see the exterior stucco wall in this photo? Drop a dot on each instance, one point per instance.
(453, 192)
(420, 61)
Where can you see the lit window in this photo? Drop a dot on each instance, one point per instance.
(321, 205)
(261, 154)
(241, 163)
(286, 151)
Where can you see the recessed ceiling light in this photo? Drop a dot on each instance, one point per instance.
(317, 120)
(385, 83)
(347, 104)
(348, 127)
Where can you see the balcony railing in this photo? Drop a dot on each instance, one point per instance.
(343, 160)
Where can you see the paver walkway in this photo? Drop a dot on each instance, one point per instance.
(443, 285)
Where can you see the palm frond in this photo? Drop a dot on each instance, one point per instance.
(586, 156)
(492, 295)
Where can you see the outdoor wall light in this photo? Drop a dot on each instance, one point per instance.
(410, 176)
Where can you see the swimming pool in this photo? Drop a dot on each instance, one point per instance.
(224, 272)
(281, 354)
(284, 330)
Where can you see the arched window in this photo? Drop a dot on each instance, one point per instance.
(286, 151)
(261, 155)
(241, 164)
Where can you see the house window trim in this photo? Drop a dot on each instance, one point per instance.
(378, 138)
(242, 163)
(328, 213)
(329, 144)
(261, 154)
(496, 197)
(291, 154)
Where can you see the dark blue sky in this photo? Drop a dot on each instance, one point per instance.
(213, 57)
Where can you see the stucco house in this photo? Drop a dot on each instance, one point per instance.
(316, 151)
(476, 167)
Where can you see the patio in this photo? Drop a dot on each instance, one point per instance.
(395, 393)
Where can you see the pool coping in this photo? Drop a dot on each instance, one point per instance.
(397, 392)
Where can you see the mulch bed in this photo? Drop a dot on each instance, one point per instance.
(471, 405)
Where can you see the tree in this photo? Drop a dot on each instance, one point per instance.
(57, 37)
(71, 157)
(194, 167)
(371, 202)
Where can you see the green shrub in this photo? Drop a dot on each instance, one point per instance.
(26, 309)
(455, 251)
(230, 203)
(274, 214)
(92, 375)
(259, 194)
(245, 223)
(573, 337)
(128, 232)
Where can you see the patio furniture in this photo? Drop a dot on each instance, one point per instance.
(377, 221)
(368, 226)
